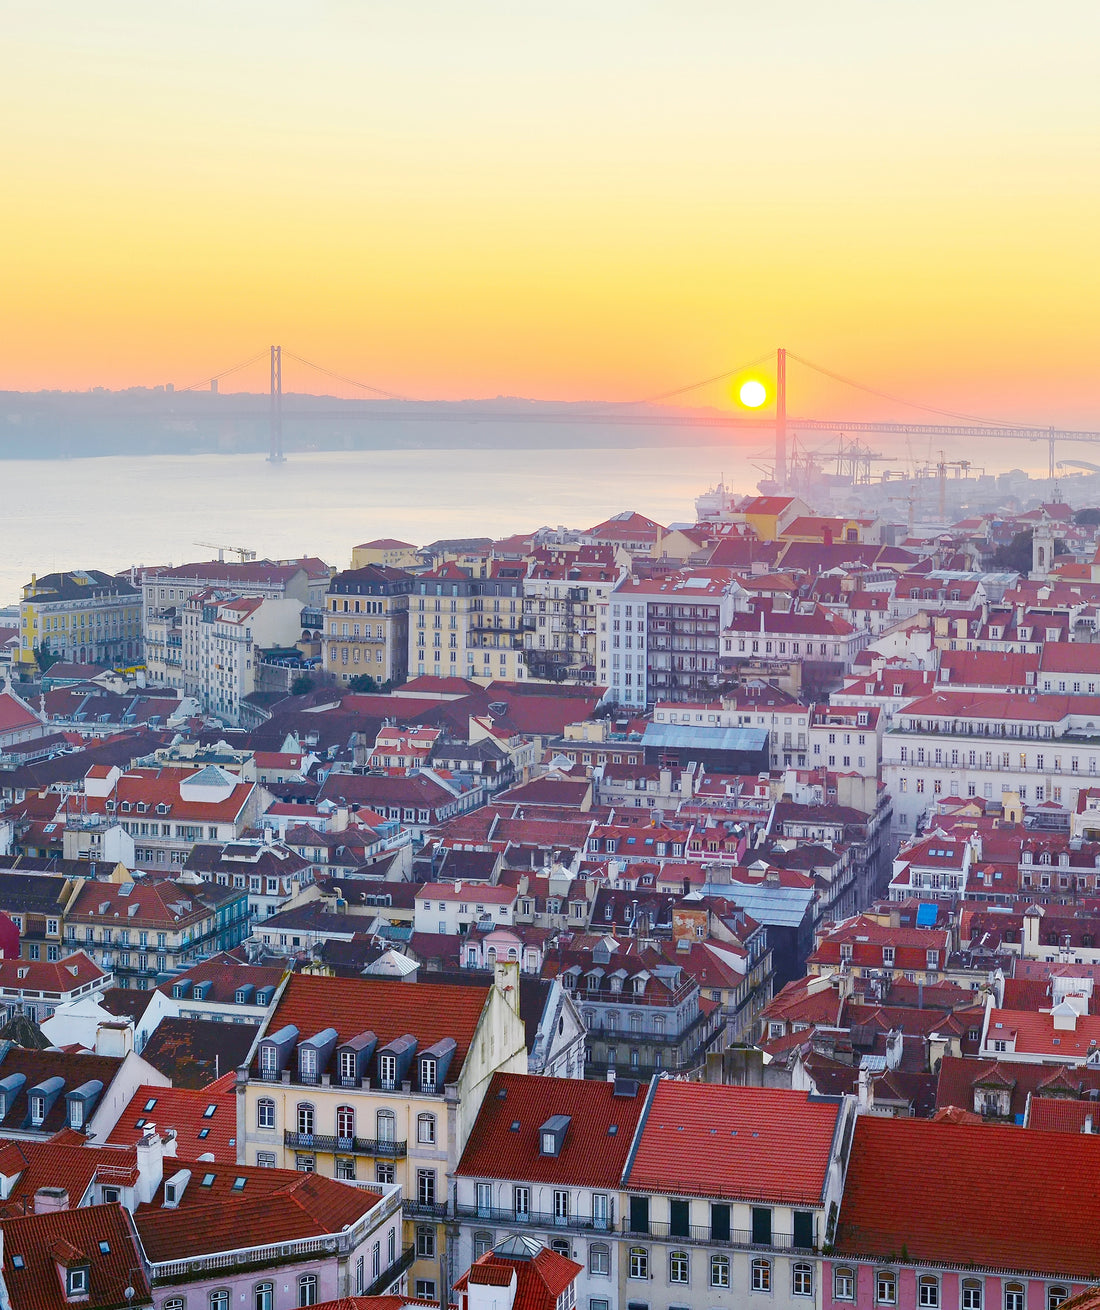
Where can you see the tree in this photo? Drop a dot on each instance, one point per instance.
(1087, 518)
(362, 682)
(45, 657)
(1016, 556)
(302, 685)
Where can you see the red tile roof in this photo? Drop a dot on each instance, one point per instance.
(273, 1205)
(745, 1143)
(389, 1009)
(1002, 1199)
(15, 716)
(187, 1112)
(591, 1154)
(58, 977)
(81, 1235)
(1060, 1114)
(540, 1277)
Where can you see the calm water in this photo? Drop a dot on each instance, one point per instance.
(113, 512)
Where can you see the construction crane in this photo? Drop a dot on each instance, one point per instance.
(911, 501)
(242, 552)
(961, 466)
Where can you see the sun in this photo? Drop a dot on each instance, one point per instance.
(752, 394)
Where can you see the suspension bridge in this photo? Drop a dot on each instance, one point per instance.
(951, 424)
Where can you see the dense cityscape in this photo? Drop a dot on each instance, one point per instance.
(408, 927)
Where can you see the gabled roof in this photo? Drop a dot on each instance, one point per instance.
(541, 1275)
(505, 1141)
(744, 1143)
(203, 1119)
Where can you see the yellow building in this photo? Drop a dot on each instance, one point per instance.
(367, 624)
(385, 551)
(769, 515)
(380, 1079)
(82, 616)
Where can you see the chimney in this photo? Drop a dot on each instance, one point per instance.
(150, 1164)
(50, 1200)
(866, 1092)
(1088, 1124)
(114, 1039)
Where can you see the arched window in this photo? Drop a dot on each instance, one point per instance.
(219, 1300)
(265, 1113)
(307, 1290)
(599, 1259)
(802, 1279)
(425, 1128)
(719, 1271)
(972, 1294)
(305, 1119)
(385, 1125)
(761, 1275)
(678, 1266)
(639, 1262)
(483, 1244)
(263, 1296)
(561, 1246)
(886, 1287)
(928, 1292)
(1014, 1296)
(844, 1284)
(345, 1121)
(175, 1303)
(1055, 1297)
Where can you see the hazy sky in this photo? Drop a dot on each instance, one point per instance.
(577, 199)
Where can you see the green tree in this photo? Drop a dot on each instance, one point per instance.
(302, 685)
(1016, 556)
(1087, 518)
(362, 682)
(45, 657)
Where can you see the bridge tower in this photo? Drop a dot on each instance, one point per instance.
(276, 456)
(781, 418)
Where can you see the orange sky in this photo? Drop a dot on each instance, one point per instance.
(597, 199)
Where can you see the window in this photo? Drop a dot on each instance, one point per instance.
(305, 1119)
(678, 1267)
(77, 1281)
(561, 1246)
(886, 1287)
(425, 1186)
(1014, 1295)
(719, 1271)
(427, 1075)
(174, 1303)
(425, 1128)
(360, 1276)
(345, 1168)
(483, 1244)
(1055, 1297)
(844, 1283)
(521, 1202)
(761, 1276)
(425, 1241)
(599, 1259)
(263, 1296)
(425, 1287)
(598, 1303)
(385, 1171)
(265, 1113)
(219, 1300)
(345, 1122)
(307, 1289)
(387, 1072)
(639, 1262)
(928, 1291)
(384, 1125)
(561, 1206)
(802, 1279)
(484, 1199)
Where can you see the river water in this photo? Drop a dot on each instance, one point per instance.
(115, 511)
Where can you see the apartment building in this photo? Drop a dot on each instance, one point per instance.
(372, 1078)
(166, 591)
(367, 624)
(1040, 748)
(564, 590)
(222, 636)
(546, 1157)
(82, 616)
(660, 639)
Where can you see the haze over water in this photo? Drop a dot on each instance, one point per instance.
(113, 512)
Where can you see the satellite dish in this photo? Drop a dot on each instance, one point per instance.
(129, 1294)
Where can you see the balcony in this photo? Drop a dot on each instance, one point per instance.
(414, 1209)
(705, 1235)
(373, 1146)
(389, 1276)
(538, 1219)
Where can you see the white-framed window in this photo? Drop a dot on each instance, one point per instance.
(639, 1262)
(385, 1125)
(425, 1129)
(678, 1266)
(802, 1279)
(265, 1113)
(1055, 1296)
(345, 1121)
(844, 1283)
(719, 1271)
(305, 1118)
(219, 1300)
(483, 1244)
(599, 1259)
(928, 1291)
(761, 1276)
(263, 1296)
(307, 1290)
(886, 1287)
(425, 1241)
(76, 1284)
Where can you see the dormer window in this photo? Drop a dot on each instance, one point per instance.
(427, 1075)
(125, 807)
(76, 1280)
(38, 1110)
(387, 1071)
(552, 1134)
(241, 997)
